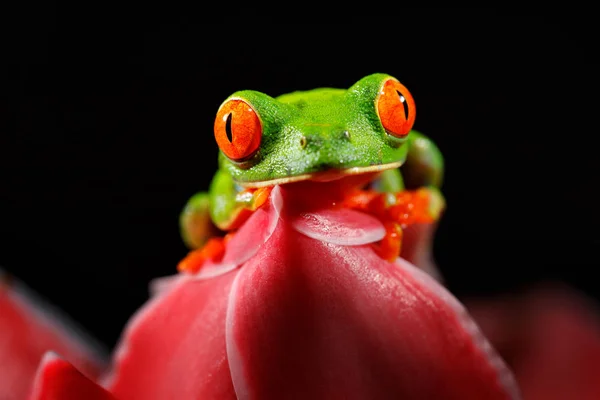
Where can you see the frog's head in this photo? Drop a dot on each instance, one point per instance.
(320, 134)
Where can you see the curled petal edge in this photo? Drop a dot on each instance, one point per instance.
(506, 377)
(248, 239)
(57, 379)
(342, 226)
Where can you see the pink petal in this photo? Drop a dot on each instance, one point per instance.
(28, 329)
(427, 280)
(339, 226)
(550, 336)
(248, 239)
(57, 379)
(309, 319)
(417, 248)
(212, 269)
(163, 284)
(174, 347)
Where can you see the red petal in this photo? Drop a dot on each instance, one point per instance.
(316, 320)
(27, 331)
(417, 248)
(212, 269)
(174, 347)
(160, 285)
(339, 226)
(248, 239)
(57, 379)
(551, 338)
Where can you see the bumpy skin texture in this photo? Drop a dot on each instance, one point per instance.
(318, 134)
(341, 130)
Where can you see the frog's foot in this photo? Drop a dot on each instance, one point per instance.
(389, 247)
(253, 198)
(213, 250)
(195, 223)
(423, 205)
(397, 211)
(245, 203)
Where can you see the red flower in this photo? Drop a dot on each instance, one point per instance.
(300, 306)
(550, 336)
(28, 330)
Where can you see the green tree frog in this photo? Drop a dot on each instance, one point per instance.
(322, 135)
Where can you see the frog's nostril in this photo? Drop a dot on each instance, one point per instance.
(303, 141)
(346, 135)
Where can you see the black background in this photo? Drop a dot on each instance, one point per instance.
(106, 130)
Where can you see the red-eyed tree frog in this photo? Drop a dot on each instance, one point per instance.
(362, 134)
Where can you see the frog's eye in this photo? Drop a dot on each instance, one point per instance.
(238, 130)
(396, 108)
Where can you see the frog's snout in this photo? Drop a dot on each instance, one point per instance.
(319, 140)
(327, 149)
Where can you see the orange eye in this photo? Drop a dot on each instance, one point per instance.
(238, 130)
(396, 108)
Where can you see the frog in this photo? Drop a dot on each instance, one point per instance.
(318, 135)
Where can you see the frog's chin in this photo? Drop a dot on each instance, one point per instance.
(322, 176)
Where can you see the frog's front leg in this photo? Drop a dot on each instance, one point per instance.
(230, 204)
(397, 211)
(195, 224)
(207, 216)
(419, 179)
(405, 197)
(423, 167)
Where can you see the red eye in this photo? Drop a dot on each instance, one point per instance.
(238, 130)
(396, 108)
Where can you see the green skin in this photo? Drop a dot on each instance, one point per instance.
(310, 135)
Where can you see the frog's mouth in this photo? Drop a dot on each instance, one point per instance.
(322, 176)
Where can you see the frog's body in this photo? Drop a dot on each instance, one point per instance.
(322, 134)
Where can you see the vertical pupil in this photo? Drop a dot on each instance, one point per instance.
(404, 103)
(228, 130)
